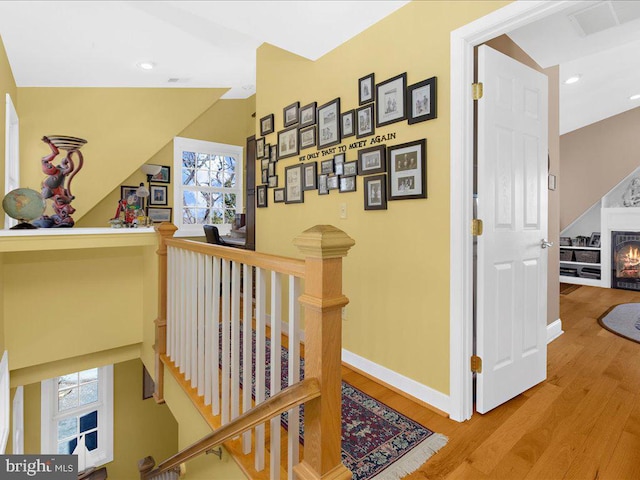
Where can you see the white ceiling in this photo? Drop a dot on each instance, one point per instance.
(212, 44)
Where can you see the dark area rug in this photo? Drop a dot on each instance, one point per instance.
(623, 320)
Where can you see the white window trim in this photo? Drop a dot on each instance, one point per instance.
(49, 397)
(17, 439)
(11, 154)
(179, 145)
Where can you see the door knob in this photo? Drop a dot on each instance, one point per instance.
(546, 244)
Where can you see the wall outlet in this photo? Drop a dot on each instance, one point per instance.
(343, 210)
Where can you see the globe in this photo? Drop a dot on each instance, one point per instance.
(24, 205)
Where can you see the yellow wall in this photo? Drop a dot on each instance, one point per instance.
(124, 128)
(397, 275)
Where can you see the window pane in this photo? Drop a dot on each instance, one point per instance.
(203, 161)
(229, 216)
(216, 216)
(229, 179)
(189, 216)
(216, 200)
(67, 448)
(91, 441)
(88, 393)
(217, 177)
(67, 381)
(67, 428)
(202, 199)
(188, 159)
(89, 375)
(188, 177)
(230, 200)
(202, 177)
(189, 198)
(217, 163)
(89, 421)
(67, 399)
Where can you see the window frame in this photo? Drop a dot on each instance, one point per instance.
(181, 144)
(49, 416)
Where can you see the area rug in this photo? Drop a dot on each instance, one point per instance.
(623, 320)
(378, 442)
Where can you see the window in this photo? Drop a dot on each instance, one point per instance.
(77, 409)
(208, 187)
(11, 154)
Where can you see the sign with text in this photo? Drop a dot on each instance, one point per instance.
(38, 467)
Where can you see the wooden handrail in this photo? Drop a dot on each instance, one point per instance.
(276, 263)
(290, 397)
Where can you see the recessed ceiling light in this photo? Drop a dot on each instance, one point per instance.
(572, 79)
(635, 97)
(146, 65)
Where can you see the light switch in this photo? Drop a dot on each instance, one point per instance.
(343, 210)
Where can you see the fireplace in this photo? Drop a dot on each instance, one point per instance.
(625, 260)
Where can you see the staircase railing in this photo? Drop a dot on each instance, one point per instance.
(214, 306)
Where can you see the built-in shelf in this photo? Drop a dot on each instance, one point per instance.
(562, 247)
(592, 282)
(584, 264)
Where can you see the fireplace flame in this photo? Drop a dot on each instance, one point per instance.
(632, 257)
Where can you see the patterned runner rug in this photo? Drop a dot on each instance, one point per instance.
(623, 320)
(378, 442)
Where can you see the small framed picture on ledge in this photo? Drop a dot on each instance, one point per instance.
(594, 241)
(158, 195)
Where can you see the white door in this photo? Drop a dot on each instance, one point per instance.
(511, 280)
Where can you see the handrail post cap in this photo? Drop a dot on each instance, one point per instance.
(166, 229)
(324, 241)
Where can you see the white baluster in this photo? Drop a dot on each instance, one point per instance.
(200, 292)
(193, 317)
(235, 339)
(182, 307)
(170, 286)
(276, 370)
(226, 339)
(293, 416)
(247, 348)
(260, 361)
(215, 381)
(187, 316)
(208, 329)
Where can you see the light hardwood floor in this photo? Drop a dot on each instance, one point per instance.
(582, 423)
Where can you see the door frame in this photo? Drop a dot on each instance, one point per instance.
(463, 41)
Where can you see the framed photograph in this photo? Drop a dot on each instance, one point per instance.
(594, 241)
(407, 170)
(329, 124)
(273, 181)
(375, 192)
(307, 137)
(364, 125)
(332, 182)
(157, 195)
(338, 164)
(290, 114)
(129, 192)
(308, 114)
(267, 151)
(266, 125)
(421, 101)
(350, 169)
(391, 100)
(264, 163)
(323, 187)
(366, 89)
(163, 176)
(159, 214)
(265, 176)
(348, 123)
(261, 196)
(278, 195)
(293, 192)
(288, 143)
(326, 166)
(347, 184)
(274, 154)
(565, 242)
(259, 148)
(372, 160)
(310, 179)
(271, 168)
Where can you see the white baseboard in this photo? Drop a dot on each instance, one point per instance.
(554, 330)
(417, 390)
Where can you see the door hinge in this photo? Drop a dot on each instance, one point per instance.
(476, 227)
(476, 364)
(477, 90)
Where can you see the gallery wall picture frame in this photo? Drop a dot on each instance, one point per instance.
(366, 89)
(261, 196)
(391, 103)
(594, 240)
(307, 137)
(288, 143)
(350, 169)
(274, 154)
(267, 151)
(271, 168)
(293, 191)
(308, 114)
(163, 176)
(129, 191)
(273, 181)
(347, 184)
(375, 192)
(278, 195)
(265, 164)
(266, 125)
(407, 177)
(372, 160)
(158, 195)
(329, 124)
(422, 101)
(338, 163)
(326, 166)
(290, 114)
(347, 119)
(365, 124)
(310, 176)
(259, 148)
(323, 188)
(264, 176)
(333, 182)
(159, 214)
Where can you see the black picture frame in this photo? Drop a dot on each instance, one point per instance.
(347, 121)
(310, 176)
(290, 114)
(338, 163)
(372, 160)
(594, 240)
(267, 125)
(307, 137)
(329, 124)
(350, 169)
(348, 184)
(264, 163)
(159, 214)
(271, 168)
(259, 148)
(407, 177)
(278, 195)
(261, 196)
(422, 101)
(128, 190)
(366, 89)
(391, 103)
(163, 176)
(267, 151)
(375, 192)
(158, 195)
(293, 191)
(327, 166)
(288, 143)
(333, 182)
(365, 124)
(274, 154)
(264, 176)
(323, 188)
(273, 181)
(308, 114)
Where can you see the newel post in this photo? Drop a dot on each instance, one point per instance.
(166, 231)
(323, 247)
